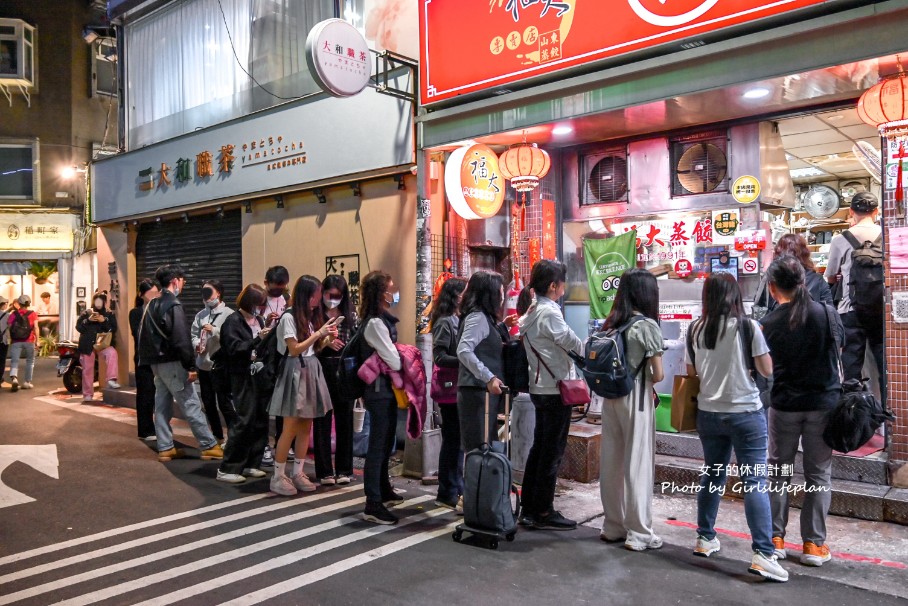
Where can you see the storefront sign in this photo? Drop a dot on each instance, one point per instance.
(751, 240)
(669, 239)
(684, 268)
(472, 46)
(892, 174)
(277, 148)
(338, 58)
(37, 231)
(548, 230)
(726, 223)
(746, 189)
(750, 266)
(473, 182)
(606, 260)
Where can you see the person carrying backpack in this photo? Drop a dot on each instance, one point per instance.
(805, 389)
(547, 339)
(23, 336)
(4, 336)
(730, 417)
(856, 271)
(628, 450)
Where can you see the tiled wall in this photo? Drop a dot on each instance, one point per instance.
(896, 343)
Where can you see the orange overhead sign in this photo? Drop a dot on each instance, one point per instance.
(472, 45)
(473, 182)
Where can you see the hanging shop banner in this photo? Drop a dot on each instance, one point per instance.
(338, 57)
(469, 46)
(37, 231)
(473, 182)
(606, 261)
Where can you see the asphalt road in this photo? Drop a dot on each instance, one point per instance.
(117, 527)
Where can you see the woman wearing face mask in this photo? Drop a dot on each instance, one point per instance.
(214, 383)
(145, 389)
(336, 305)
(90, 324)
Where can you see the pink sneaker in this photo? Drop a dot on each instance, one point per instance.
(282, 485)
(302, 483)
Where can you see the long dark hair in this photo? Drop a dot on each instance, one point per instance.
(446, 303)
(372, 294)
(144, 286)
(483, 294)
(796, 246)
(721, 300)
(305, 287)
(786, 273)
(346, 305)
(637, 291)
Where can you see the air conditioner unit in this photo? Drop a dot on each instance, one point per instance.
(700, 163)
(604, 177)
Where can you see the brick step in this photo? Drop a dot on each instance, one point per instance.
(849, 498)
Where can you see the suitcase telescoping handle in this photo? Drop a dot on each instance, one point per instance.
(507, 414)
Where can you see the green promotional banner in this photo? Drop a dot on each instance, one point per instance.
(606, 260)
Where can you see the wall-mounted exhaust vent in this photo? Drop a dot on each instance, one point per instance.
(604, 177)
(700, 164)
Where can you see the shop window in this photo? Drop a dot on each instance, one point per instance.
(17, 52)
(603, 177)
(18, 172)
(699, 164)
(104, 67)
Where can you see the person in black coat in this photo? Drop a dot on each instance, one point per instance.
(241, 333)
(148, 290)
(817, 287)
(93, 322)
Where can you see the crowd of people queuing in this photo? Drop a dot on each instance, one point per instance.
(731, 353)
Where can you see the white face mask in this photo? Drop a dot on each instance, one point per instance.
(212, 303)
(332, 303)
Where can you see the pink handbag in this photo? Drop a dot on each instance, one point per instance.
(443, 388)
(574, 392)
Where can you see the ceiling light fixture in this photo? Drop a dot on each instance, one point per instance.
(248, 207)
(357, 190)
(322, 199)
(400, 182)
(185, 217)
(811, 171)
(280, 201)
(562, 130)
(219, 212)
(756, 93)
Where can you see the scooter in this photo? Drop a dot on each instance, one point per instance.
(70, 366)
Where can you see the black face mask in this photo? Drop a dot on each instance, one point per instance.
(275, 292)
(207, 291)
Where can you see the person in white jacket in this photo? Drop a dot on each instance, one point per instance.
(548, 339)
(214, 384)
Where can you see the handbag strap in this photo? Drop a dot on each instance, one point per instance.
(835, 344)
(540, 360)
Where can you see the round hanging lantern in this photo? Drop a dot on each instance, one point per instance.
(885, 106)
(524, 165)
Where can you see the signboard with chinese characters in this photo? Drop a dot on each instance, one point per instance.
(282, 147)
(473, 182)
(338, 58)
(746, 189)
(726, 224)
(37, 231)
(751, 241)
(472, 46)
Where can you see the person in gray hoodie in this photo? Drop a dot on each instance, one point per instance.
(548, 339)
(214, 383)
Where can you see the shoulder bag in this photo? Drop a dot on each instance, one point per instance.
(573, 392)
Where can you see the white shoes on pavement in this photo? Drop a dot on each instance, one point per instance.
(303, 484)
(230, 478)
(640, 545)
(252, 472)
(705, 547)
(768, 567)
(282, 485)
(113, 385)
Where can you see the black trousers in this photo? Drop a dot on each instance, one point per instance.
(342, 415)
(249, 433)
(471, 409)
(450, 458)
(857, 339)
(382, 407)
(4, 351)
(553, 422)
(145, 390)
(216, 395)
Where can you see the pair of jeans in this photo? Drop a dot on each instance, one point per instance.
(382, 407)
(786, 430)
(450, 457)
(342, 415)
(16, 351)
(145, 390)
(471, 410)
(553, 422)
(857, 339)
(745, 432)
(111, 363)
(248, 435)
(216, 395)
(171, 382)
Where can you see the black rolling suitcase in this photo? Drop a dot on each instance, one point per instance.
(487, 490)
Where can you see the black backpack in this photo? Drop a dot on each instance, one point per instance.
(866, 286)
(605, 365)
(268, 362)
(350, 386)
(20, 329)
(855, 418)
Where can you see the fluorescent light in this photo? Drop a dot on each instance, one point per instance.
(811, 171)
(756, 93)
(562, 130)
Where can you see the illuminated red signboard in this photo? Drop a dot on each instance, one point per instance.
(472, 45)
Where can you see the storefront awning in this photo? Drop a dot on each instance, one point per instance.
(13, 268)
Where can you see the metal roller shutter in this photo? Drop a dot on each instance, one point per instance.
(206, 247)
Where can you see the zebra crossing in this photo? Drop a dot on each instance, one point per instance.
(244, 551)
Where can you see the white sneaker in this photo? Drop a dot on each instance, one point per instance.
(302, 483)
(638, 545)
(113, 385)
(282, 485)
(27, 385)
(768, 567)
(329, 481)
(230, 478)
(291, 456)
(252, 472)
(705, 547)
(342, 479)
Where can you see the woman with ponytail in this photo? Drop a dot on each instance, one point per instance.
(802, 335)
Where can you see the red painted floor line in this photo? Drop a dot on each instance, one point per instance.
(851, 557)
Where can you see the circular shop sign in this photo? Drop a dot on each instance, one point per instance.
(671, 20)
(684, 268)
(473, 182)
(750, 266)
(338, 58)
(746, 189)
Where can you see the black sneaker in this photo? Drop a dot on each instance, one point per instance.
(392, 501)
(526, 519)
(452, 504)
(14, 381)
(554, 521)
(378, 514)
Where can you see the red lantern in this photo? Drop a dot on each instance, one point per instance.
(885, 105)
(524, 165)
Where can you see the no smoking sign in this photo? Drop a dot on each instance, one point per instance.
(750, 266)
